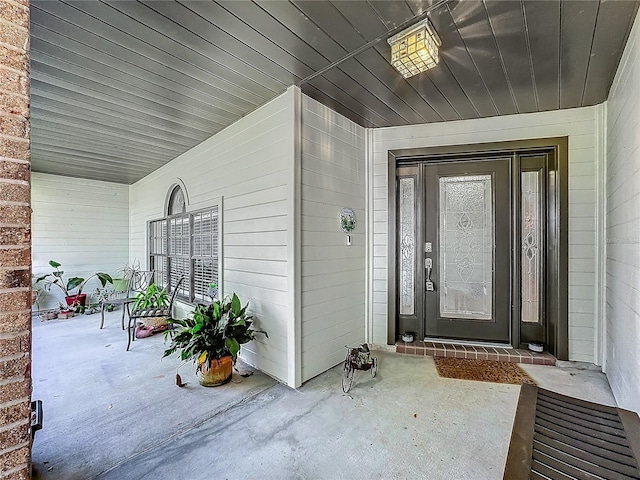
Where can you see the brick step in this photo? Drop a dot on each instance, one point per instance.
(436, 349)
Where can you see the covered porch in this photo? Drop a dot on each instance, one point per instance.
(269, 120)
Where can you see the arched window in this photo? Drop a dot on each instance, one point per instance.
(176, 201)
(186, 243)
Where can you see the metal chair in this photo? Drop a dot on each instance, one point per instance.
(141, 314)
(137, 282)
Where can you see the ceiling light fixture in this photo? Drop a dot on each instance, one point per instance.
(415, 49)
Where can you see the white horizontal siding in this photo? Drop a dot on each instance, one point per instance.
(247, 165)
(333, 275)
(579, 125)
(82, 224)
(623, 228)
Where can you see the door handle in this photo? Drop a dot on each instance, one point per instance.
(428, 265)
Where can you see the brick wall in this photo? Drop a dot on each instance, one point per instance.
(15, 242)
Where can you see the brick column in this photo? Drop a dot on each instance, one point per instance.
(15, 242)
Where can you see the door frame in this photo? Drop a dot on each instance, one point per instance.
(557, 244)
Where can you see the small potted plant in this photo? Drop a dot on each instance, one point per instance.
(66, 311)
(151, 298)
(92, 308)
(57, 278)
(211, 336)
(102, 295)
(125, 274)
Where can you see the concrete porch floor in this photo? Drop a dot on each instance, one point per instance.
(112, 414)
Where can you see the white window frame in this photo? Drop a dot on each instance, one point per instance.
(189, 292)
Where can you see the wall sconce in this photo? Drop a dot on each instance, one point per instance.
(415, 49)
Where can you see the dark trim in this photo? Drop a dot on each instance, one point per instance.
(557, 203)
(391, 252)
(562, 264)
(516, 266)
(521, 446)
(414, 154)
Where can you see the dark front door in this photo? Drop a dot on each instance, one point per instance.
(479, 244)
(455, 262)
(467, 255)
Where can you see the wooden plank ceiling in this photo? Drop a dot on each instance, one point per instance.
(120, 88)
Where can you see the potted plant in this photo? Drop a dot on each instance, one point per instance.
(211, 336)
(57, 278)
(66, 311)
(126, 273)
(149, 299)
(102, 296)
(152, 297)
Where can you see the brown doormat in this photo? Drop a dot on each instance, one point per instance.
(481, 370)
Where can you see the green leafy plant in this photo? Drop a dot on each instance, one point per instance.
(152, 297)
(57, 278)
(36, 291)
(212, 332)
(101, 295)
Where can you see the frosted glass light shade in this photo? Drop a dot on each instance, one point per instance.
(415, 49)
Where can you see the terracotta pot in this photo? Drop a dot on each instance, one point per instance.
(76, 299)
(218, 374)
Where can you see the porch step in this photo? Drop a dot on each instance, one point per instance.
(436, 349)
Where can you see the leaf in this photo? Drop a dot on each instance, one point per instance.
(202, 358)
(236, 306)
(54, 264)
(179, 380)
(197, 327)
(104, 278)
(233, 346)
(74, 282)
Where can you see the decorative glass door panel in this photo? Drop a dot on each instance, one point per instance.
(408, 240)
(407, 197)
(533, 248)
(531, 240)
(467, 234)
(466, 247)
